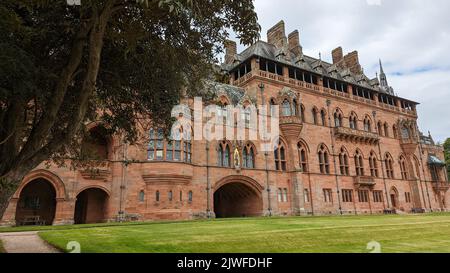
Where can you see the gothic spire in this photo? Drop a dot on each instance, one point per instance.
(383, 79)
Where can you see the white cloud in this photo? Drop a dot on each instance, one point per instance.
(412, 37)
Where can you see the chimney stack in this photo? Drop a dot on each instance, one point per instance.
(230, 51)
(294, 43)
(338, 55)
(276, 35)
(351, 61)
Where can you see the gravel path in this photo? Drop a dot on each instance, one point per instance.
(25, 242)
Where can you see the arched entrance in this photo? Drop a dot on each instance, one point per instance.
(91, 206)
(237, 198)
(394, 197)
(37, 203)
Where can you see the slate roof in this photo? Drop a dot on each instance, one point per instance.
(307, 63)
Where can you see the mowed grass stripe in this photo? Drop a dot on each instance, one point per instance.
(424, 233)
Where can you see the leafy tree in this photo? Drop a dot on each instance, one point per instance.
(447, 155)
(115, 61)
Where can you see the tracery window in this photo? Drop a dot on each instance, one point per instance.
(353, 122)
(324, 162)
(359, 164)
(160, 149)
(280, 157)
(373, 165)
(303, 159)
(367, 125)
(343, 162)
(248, 157)
(223, 154)
(286, 108)
(389, 166)
(403, 169)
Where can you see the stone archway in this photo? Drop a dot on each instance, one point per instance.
(91, 206)
(37, 203)
(238, 197)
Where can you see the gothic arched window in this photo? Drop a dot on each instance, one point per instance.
(141, 196)
(367, 125)
(380, 129)
(314, 116)
(395, 131)
(403, 169)
(373, 165)
(343, 162)
(286, 108)
(280, 157)
(248, 157)
(295, 111)
(389, 166)
(359, 164)
(386, 129)
(337, 119)
(323, 117)
(324, 162)
(405, 132)
(223, 154)
(302, 113)
(303, 158)
(353, 122)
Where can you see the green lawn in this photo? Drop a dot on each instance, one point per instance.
(410, 233)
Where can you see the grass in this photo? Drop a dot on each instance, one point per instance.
(345, 234)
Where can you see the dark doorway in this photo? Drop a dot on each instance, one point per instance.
(91, 206)
(37, 203)
(393, 201)
(237, 200)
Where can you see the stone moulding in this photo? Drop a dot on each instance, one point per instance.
(171, 179)
(95, 174)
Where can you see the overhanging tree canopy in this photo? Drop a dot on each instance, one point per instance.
(110, 60)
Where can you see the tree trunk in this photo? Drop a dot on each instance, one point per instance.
(33, 153)
(8, 186)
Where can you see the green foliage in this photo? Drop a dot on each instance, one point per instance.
(111, 61)
(447, 155)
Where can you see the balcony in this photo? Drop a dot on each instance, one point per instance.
(352, 135)
(409, 145)
(291, 126)
(364, 181)
(441, 186)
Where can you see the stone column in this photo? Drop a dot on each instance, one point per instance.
(9, 218)
(64, 212)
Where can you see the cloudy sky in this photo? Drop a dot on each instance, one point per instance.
(412, 37)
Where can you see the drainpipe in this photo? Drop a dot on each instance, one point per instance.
(423, 170)
(123, 182)
(266, 154)
(208, 184)
(334, 158)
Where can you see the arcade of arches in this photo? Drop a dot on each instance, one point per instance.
(37, 204)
